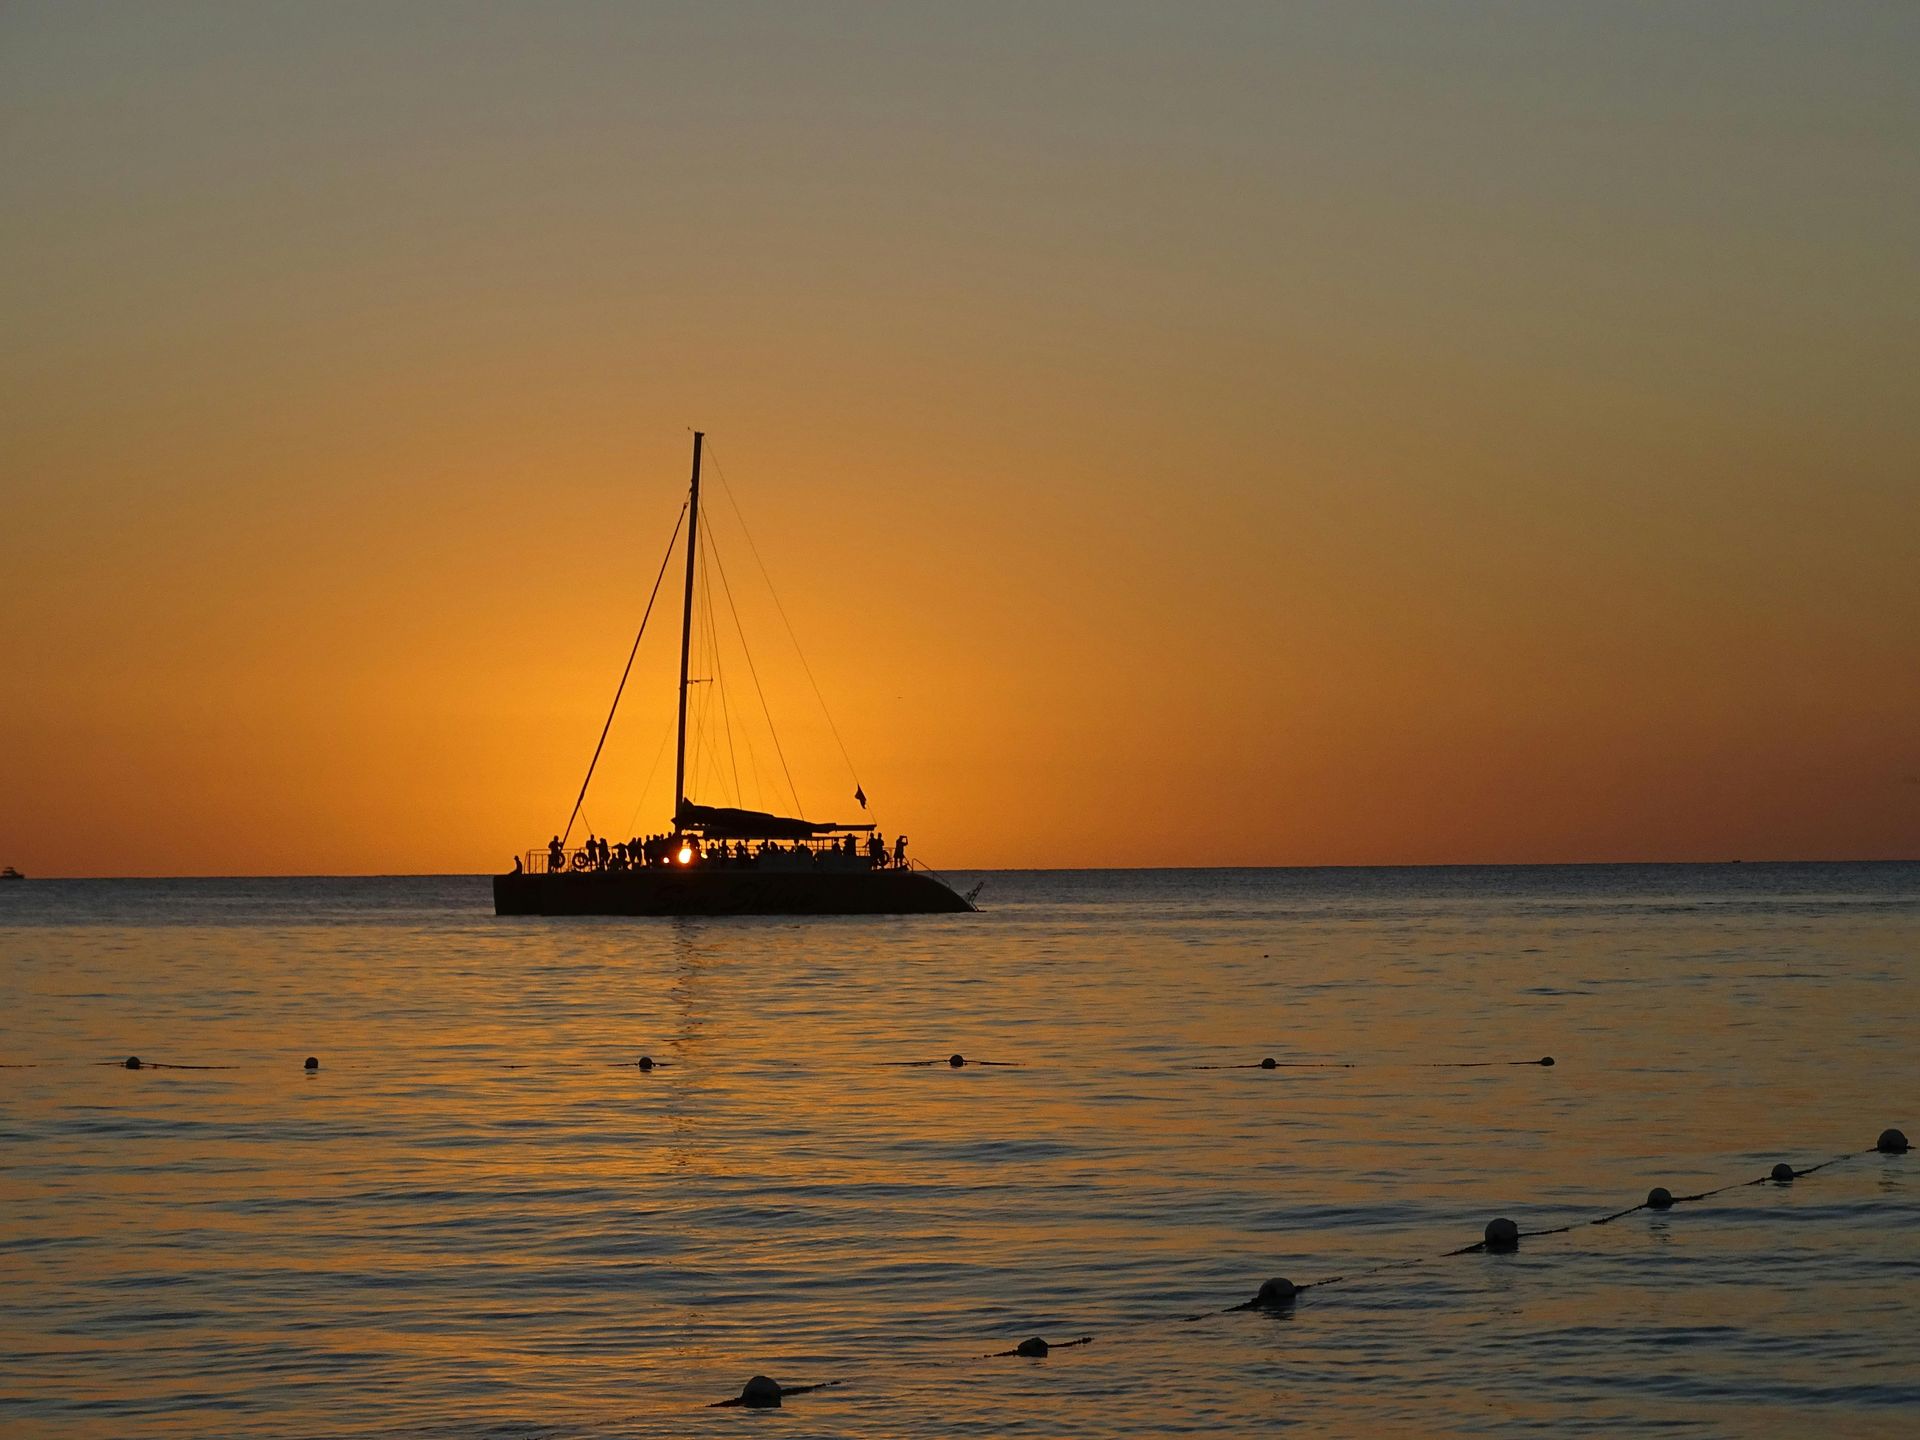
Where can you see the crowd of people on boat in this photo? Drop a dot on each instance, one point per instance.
(682, 849)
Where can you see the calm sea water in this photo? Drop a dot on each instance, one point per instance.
(478, 1219)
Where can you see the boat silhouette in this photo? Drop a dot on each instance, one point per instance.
(719, 860)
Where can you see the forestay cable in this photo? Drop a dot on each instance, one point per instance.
(618, 689)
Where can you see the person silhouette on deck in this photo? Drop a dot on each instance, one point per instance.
(900, 850)
(556, 857)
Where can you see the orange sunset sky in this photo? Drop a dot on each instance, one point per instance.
(1179, 434)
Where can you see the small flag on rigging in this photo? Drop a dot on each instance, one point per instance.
(859, 794)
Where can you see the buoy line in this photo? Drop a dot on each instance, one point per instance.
(1501, 1236)
(760, 1393)
(134, 1062)
(1034, 1348)
(955, 1061)
(1545, 1062)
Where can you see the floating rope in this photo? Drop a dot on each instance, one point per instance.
(760, 1393)
(1269, 1063)
(134, 1062)
(956, 1061)
(1501, 1236)
(1504, 1235)
(1037, 1348)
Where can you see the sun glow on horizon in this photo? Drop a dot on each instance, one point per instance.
(1261, 438)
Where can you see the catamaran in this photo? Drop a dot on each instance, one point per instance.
(719, 859)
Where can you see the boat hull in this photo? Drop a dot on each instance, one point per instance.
(661, 891)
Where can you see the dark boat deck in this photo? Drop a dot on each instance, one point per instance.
(703, 890)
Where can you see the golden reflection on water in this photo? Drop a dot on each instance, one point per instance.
(478, 1214)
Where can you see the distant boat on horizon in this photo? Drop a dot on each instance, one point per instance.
(11, 874)
(720, 860)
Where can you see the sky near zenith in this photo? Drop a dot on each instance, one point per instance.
(1339, 433)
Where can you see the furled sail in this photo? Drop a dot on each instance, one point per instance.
(721, 822)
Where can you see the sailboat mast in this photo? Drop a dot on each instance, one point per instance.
(686, 636)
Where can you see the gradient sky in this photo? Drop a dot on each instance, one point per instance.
(1180, 434)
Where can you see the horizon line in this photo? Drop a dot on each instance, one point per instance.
(1067, 869)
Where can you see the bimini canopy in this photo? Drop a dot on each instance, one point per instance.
(722, 823)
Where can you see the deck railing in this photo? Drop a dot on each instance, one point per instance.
(783, 854)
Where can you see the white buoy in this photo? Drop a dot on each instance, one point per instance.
(1502, 1234)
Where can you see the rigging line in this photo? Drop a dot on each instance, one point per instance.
(713, 715)
(763, 795)
(666, 733)
(761, 790)
(702, 699)
(711, 772)
(705, 772)
(580, 799)
(727, 590)
(699, 698)
(709, 742)
(726, 713)
(720, 682)
(734, 505)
